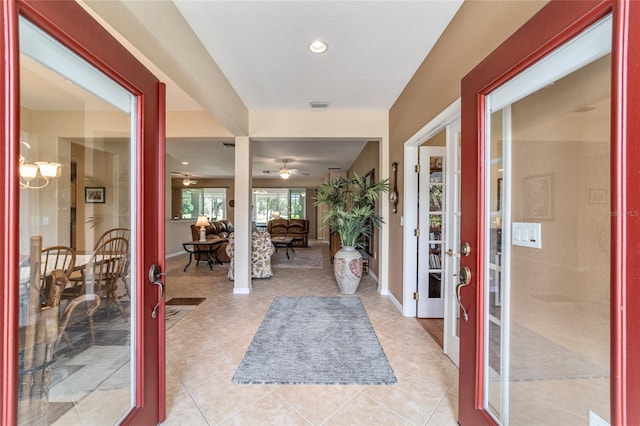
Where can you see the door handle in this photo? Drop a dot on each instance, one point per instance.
(154, 277)
(465, 279)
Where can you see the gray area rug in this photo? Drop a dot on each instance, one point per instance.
(304, 257)
(315, 340)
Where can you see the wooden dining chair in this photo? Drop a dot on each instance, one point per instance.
(104, 269)
(61, 258)
(38, 336)
(76, 278)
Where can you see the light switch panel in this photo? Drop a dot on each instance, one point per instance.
(526, 234)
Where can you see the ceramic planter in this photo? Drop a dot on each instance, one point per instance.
(347, 268)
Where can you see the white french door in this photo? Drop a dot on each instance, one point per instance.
(431, 223)
(451, 336)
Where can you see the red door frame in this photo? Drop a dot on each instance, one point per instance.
(554, 25)
(70, 24)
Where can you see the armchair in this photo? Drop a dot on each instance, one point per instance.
(261, 251)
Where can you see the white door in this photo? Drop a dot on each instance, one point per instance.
(451, 335)
(431, 224)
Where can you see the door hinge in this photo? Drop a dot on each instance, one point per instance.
(417, 168)
(415, 295)
(416, 232)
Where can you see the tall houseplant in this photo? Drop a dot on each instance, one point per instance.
(350, 211)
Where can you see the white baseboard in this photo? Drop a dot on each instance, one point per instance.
(170, 255)
(395, 302)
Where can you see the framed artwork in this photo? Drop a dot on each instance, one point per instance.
(369, 178)
(537, 198)
(94, 194)
(597, 196)
(367, 240)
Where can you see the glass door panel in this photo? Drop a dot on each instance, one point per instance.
(77, 292)
(547, 236)
(430, 266)
(452, 246)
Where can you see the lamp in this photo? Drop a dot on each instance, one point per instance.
(202, 222)
(276, 214)
(29, 172)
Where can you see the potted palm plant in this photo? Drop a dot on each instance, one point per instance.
(350, 211)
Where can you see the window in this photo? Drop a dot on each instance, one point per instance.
(211, 202)
(286, 203)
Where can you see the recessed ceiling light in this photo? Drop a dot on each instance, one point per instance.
(318, 46)
(185, 163)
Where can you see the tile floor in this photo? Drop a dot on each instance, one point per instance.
(205, 348)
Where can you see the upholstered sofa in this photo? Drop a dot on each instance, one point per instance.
(219, 229)
(261, 251)
(298, 229)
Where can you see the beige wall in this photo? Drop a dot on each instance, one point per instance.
(51, 134)
(367, 160)
(476, 30)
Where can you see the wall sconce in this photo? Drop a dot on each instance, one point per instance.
(29, 172)
(202, 222)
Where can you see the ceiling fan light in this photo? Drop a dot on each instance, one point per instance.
(186, 182)
(285, 174)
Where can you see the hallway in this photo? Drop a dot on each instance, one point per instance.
(205, 347)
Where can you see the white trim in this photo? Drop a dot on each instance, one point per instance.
(176, 254)
(241, 290)
(593, 44)
(395, 302)
(44, 49)
(410, 194)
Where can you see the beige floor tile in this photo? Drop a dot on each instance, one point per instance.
(270, 410)
(363, 410)
(219, 399)
(317, 402)
(204, 356)
(184, 411)
(413, 398)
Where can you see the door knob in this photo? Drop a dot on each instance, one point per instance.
(465, 249)
(449, 252)
(464, 280)
(154, 278)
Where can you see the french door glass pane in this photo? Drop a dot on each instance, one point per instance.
(547, 252)
(76, 289)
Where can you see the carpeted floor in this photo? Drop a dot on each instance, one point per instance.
(315, 340)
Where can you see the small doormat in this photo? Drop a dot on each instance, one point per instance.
(185, 301)
(315, 340)
(178, 308)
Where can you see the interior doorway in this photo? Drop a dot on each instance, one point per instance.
(441, 133)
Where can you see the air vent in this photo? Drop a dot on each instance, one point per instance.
(335, 168)
(229, 144)
(319, 104)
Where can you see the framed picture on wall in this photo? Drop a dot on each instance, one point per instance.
(367, 241)
(537, 198)
(94, 194)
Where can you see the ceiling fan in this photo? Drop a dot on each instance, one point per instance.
(285, 172)
(186, 180)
